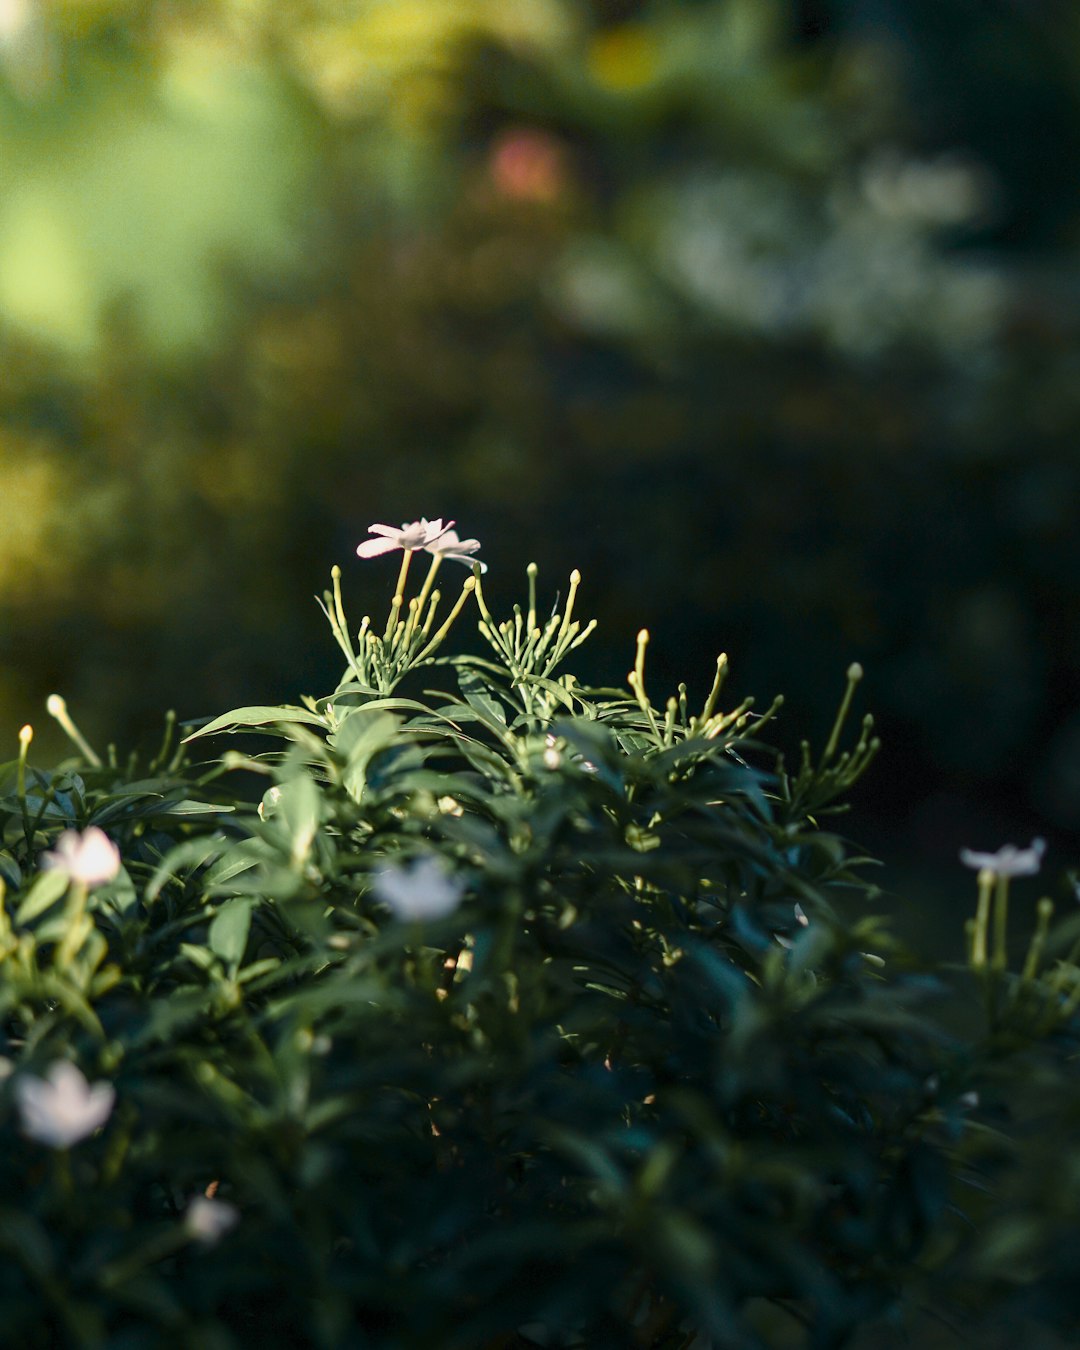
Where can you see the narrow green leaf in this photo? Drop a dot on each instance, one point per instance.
(48, 887)
(257, 716)
(228, 933)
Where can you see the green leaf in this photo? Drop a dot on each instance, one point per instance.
(48, 887)
(478, 695)
(297, 809)
(359, 737)
(257, 716)
(10, 871)
(192, 853)
(228, 932)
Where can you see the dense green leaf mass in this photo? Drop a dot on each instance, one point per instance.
(660, 1080)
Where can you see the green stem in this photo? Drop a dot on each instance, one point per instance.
(399, 592)
(982, 919)
(854, 675)
(1001, 919)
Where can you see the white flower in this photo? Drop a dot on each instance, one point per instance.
(62, 1108)
(1008, 861)
(419, 534)
(421, 890)
(449, 545)
(431, 535)
(90, 857)
(207, 1220)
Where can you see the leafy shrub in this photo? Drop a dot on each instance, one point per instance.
(512, 1014)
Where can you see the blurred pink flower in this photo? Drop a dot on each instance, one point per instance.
(62, 1108)
(90, 857)
(528, 165)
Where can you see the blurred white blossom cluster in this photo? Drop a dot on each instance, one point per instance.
(864, 262)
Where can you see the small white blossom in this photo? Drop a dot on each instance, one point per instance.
(431, 535)
(422, 890)
(418, 534)
(207, 1220)
(449, 545)
(62, 1108)
(1008, 861)
(91, 857)
(552, 758)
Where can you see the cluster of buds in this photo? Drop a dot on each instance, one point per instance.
(409, 638)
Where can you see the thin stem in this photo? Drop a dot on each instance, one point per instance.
(982, 919)
(57, 707)
(399, 592)
(714, 692)
(425, 591)
(575, 582)
(470, 586)
(1001, 919)
(854, 675)
(26, 735)
(531, 571)
(1042, 927)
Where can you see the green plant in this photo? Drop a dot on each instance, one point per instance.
(516, 1014)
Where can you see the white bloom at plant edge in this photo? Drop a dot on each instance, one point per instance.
(449, 545)
(410, 536)
(207, 1220)
(90, 857)
(62, 1108)
(1008, 861)
(420, 890)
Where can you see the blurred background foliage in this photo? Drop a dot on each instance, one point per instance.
(762, 313)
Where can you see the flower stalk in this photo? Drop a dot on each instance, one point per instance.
(57, 707)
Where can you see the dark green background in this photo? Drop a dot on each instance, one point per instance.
(761, 314)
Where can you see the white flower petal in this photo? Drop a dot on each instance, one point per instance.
(208, 1220)
(62, 1108)
(422, 890)
(91, 857)
(371, 548)
(449, 545)
(1008, 861)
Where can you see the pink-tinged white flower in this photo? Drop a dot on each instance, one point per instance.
(1008, 861)
(449, 545)
(62, 1108)
(90, 858)
(208, 1220)
(430, 535)
(419, 534)
(420, 890)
